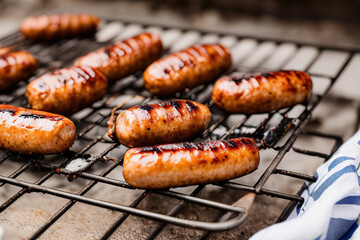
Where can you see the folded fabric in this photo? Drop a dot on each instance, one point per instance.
(331, 205)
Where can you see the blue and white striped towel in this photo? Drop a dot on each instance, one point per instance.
(332, 204)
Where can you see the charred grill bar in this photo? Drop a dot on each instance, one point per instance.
(62, 54)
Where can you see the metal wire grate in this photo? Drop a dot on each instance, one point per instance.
(93, 145)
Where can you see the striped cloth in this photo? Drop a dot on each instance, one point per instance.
(332, 204)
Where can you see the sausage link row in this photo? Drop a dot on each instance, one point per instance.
(189, 68)
(262, 93)
(182, 164)
(34, 132)
(67, 90)
(124, 58)
(52, 27)
(15, 66)
(167, 122)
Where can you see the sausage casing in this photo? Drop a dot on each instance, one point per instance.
(52, 27)
(5, 50)
(34, 132)
(188, 68)
(15, 66)
(67, 90)
(158, 123)
(124, 58)
(263, 93)
(182, 164)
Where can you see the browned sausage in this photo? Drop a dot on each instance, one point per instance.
(263, 93)
(124, 58)
(5, 50)
(188, 68)
(34, 132)
(158, 123)
(182, 164)
(67, 90)
(15, 66)
(53, 27)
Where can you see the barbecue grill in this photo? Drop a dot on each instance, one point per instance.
(96, 160)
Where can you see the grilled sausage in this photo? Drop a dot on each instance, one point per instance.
(53, 27)
(158, 123)
(15, 66)
(174, 165)
(188, 68)
(67, 90)
(34, 132)
(5, 50)
(263, 93)
(124, 58)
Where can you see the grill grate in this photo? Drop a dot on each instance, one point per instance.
(93, 145)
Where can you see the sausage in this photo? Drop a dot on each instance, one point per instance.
(15, 66)
(262, 93)
(124, 58)
(188, 68)
(67, 90)
(5, 50)
(34, 132)
(158, 123)
(182, 164)
(53, 27)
